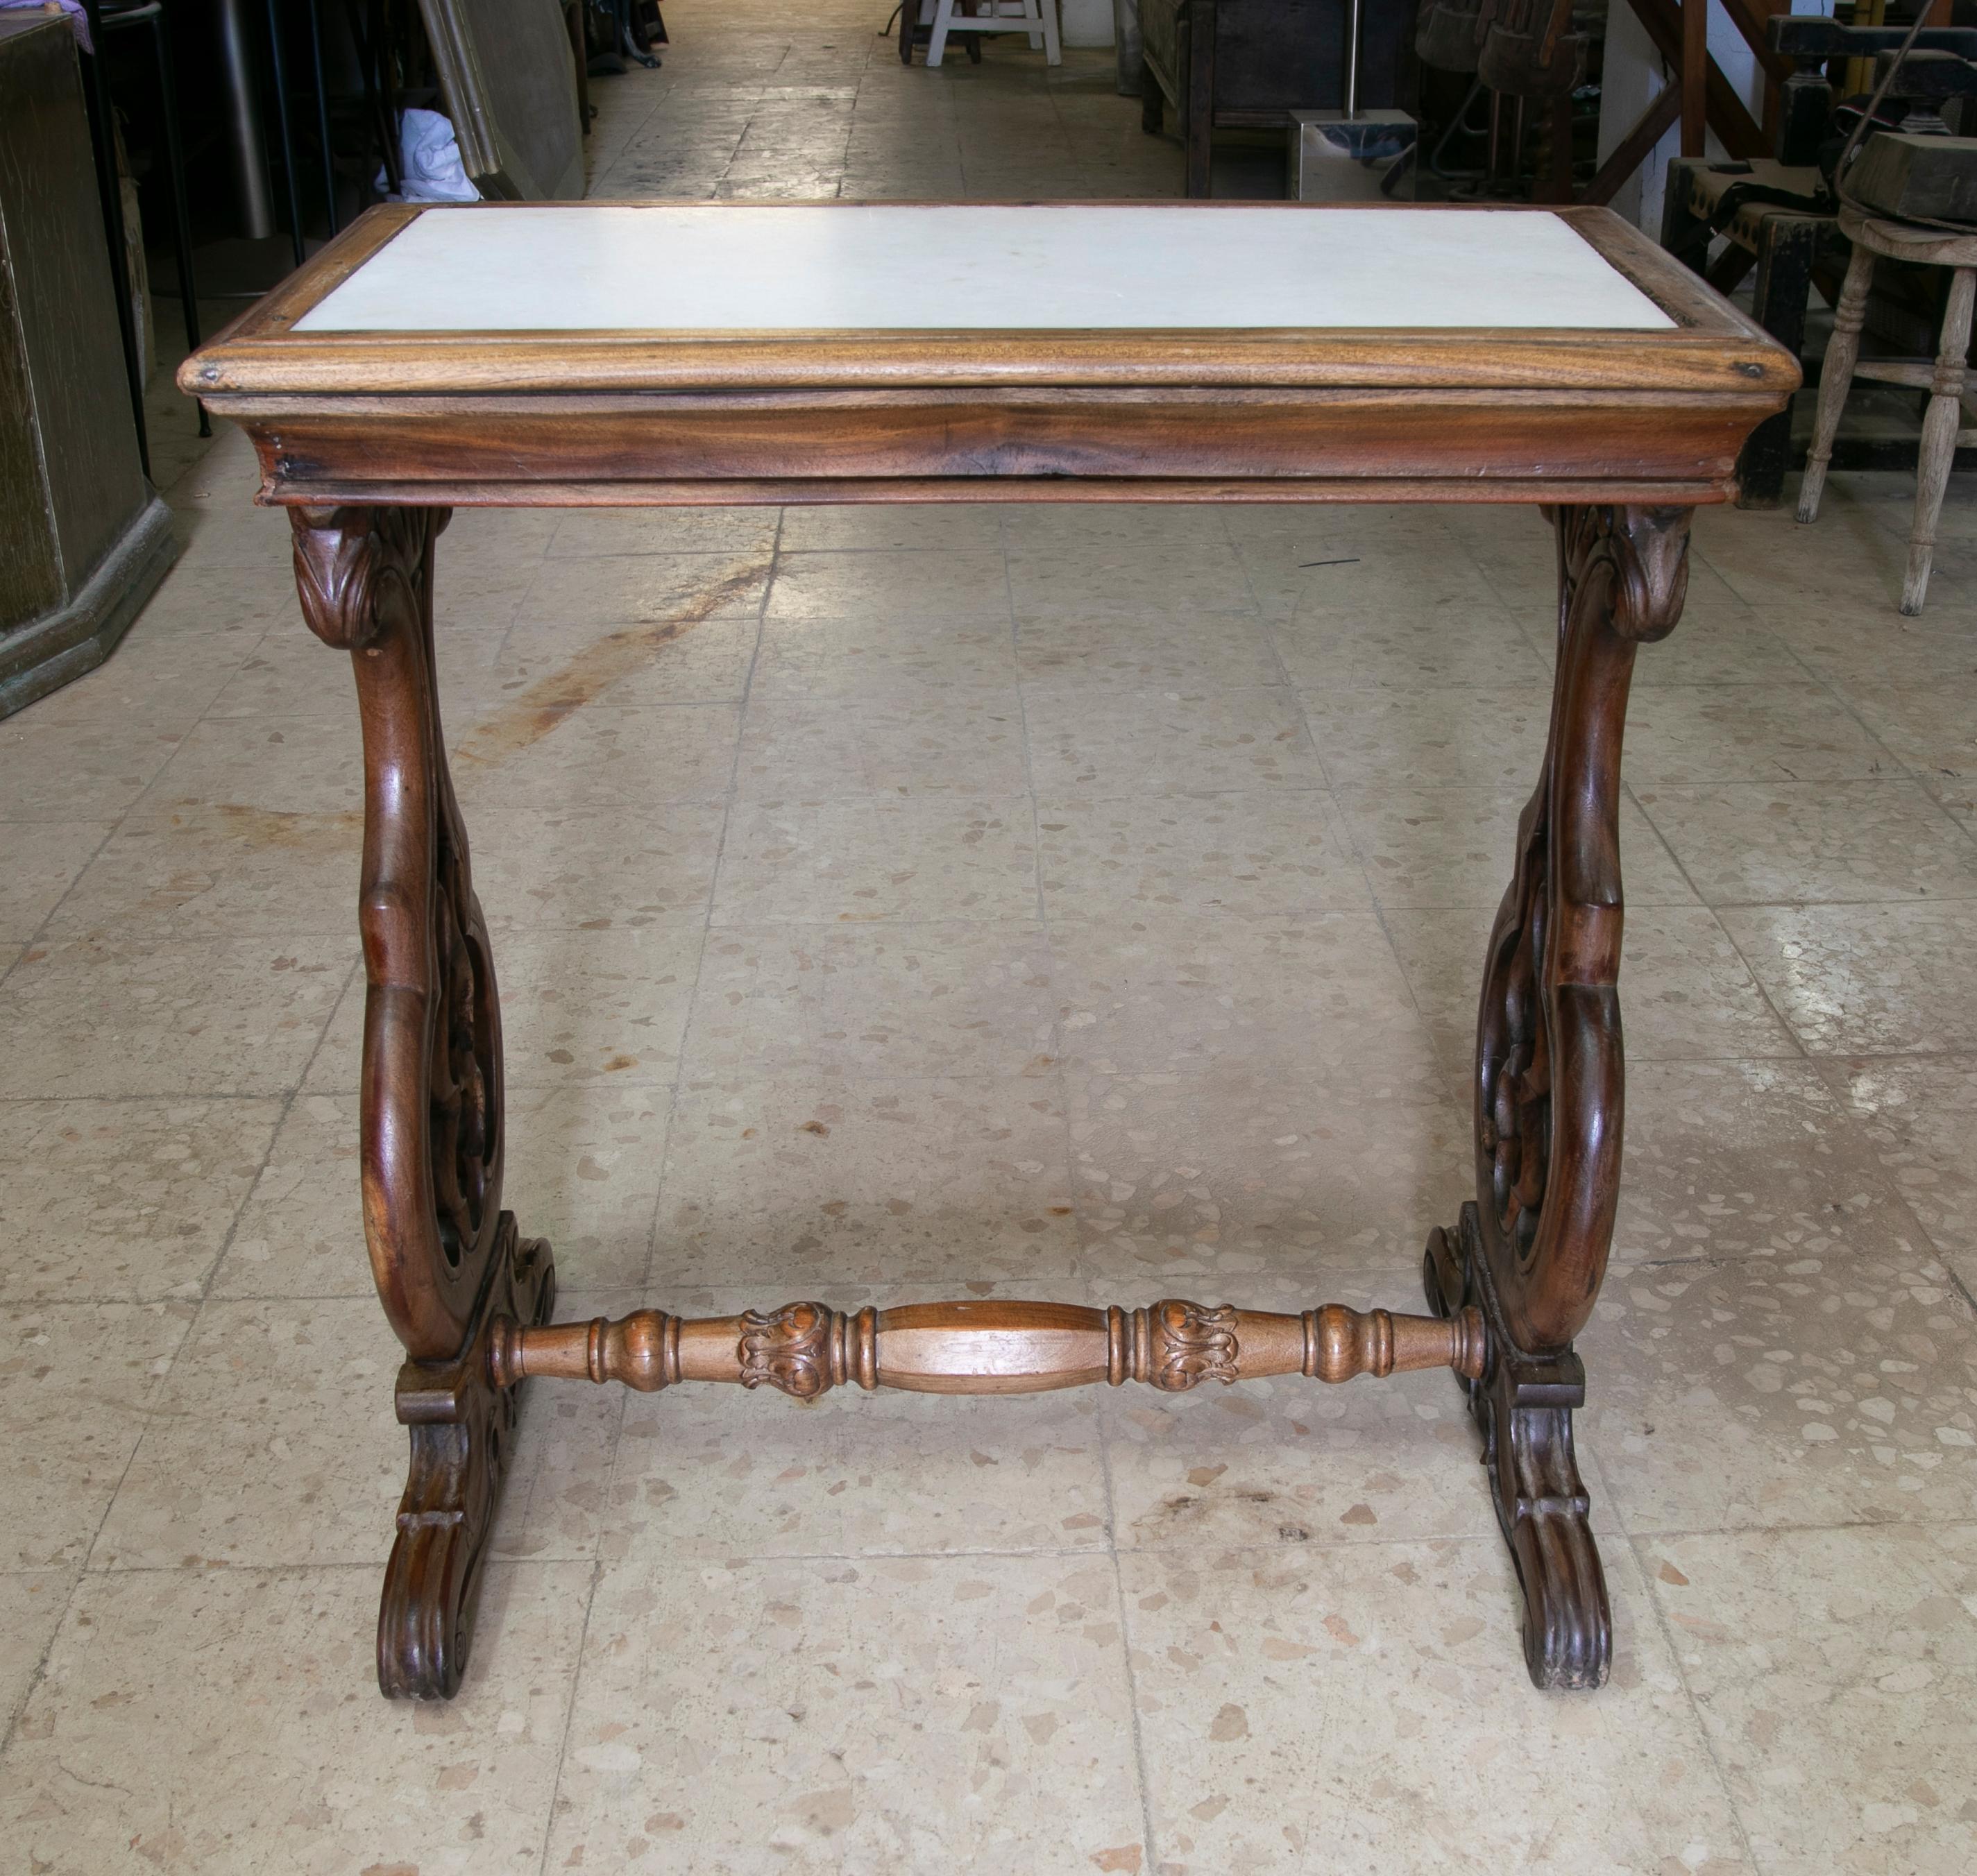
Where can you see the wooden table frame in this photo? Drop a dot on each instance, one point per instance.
(368, 440)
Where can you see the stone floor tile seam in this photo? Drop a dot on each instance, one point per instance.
(1702, 1729)
(706, 930)
(568, 1715)
(205, 1297)
(1133, 1706)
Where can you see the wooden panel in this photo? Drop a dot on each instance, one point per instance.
(64, 303)
(976, 435)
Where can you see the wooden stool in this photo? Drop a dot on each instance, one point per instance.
(1036, 17)
(1787, 245)
(1942, 429)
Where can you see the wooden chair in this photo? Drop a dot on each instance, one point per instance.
(1787, 245)
(1037, 18)
(1943, 428)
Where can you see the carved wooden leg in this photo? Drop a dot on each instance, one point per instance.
(448, 1261)
(1530, 1251)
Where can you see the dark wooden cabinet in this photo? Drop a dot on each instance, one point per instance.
(1259, 60)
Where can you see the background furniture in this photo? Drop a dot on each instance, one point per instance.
(1787, 245)
(83, 539)
(851, 353)
(1037, 18)
(1247, 64)
(1943, 427)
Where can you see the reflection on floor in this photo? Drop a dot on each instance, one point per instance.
(1024, 901)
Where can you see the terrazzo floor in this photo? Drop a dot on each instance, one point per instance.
(1084, 904)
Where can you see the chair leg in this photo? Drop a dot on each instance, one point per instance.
(1785, 248)
(1836, 375)
(1938, 435)
(943, 19)
(1033, 10)
(1053, 48)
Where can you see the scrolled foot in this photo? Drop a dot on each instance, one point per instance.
(462, 1429)
(1523, 1405)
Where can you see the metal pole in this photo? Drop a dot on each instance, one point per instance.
(243, 121)
(322, 113)
(288, 141)
(1352, 59)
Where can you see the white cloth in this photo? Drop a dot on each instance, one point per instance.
(429, 163)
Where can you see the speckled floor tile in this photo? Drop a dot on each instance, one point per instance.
(32, 1603)
(1927, 727)
(594, 757)
(1783, 1390)
(942, 999)
(913, 1713)
(222, 1016)
(1919, 1118)
(270, 1442)
(900, 741)
(547, 665)
(189, 871)
(1059, 651)
(964, 586)
(1219, 1174)
(1367, 1707)
(628, 587)
(582, 1170)
(1742, 843)
(812, 860)
(279, 766)
(588, 534)
(67, 771)
(236, 1716)
(1462, 641)
(805, 1181)
(128, 1200)
(1832, 1671)
(590, 1006)
(153, 683)
(1317, 995)
(1872, 979)
(1476, 739)
(807, 658)
(1685, 992)
(44, 860)
(1727, 1159)
(1144, 575)
(1431, 848)
(1102, 746)
(565, 868)
(929, 527)
(78, 1382)
(1247, 853)
(1692, 734)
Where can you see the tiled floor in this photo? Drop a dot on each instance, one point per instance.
(1057, 902)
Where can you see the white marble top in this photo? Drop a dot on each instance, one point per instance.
(712, 267)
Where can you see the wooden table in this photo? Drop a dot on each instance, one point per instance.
(586, 355)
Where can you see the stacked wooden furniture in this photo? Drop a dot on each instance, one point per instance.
(655, 353)
(1247, 64)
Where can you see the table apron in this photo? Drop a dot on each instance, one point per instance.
(536, 450)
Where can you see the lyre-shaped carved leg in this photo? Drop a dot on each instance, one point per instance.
(447, 1259)
(1530, 1251)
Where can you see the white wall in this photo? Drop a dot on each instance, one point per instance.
(1084, 22)
(1635, 75)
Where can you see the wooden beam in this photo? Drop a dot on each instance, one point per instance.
(1727, 116)
(1696, 65)
(1633, 150)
